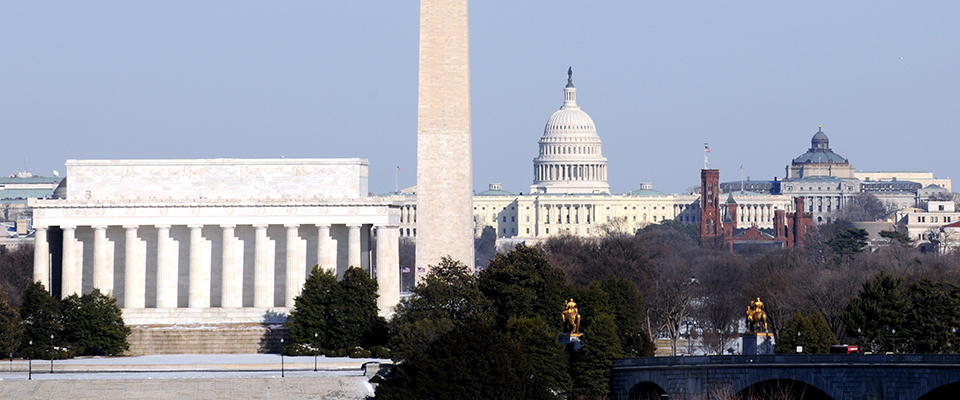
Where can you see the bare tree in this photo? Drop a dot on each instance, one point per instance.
(675, 288)
(16, 271)
(720, 300)
(862, 207)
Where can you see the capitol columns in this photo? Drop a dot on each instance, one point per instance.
(167, 266)
(134, 269)
(295, 264)
(231, 293)
(199, 276)
(388, 268)
(326, 250)
(70, 277)
(263, 264)
(41, 257)
(353, 245)
(102, 260)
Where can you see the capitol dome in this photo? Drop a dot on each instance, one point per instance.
(570, 159)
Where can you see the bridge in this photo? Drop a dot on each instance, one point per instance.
(815, 376)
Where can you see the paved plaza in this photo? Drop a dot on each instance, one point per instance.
(235, 376)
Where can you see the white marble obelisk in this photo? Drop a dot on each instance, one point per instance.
(444, 161)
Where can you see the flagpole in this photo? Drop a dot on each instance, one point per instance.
(741, 178)
(706, 148)
(396, 180)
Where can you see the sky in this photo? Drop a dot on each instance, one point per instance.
(217, 79)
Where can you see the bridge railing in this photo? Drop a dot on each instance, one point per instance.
(789, 359)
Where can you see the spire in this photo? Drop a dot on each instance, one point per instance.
(569, 92)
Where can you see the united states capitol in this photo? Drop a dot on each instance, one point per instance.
(570, 193)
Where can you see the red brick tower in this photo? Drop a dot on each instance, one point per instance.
(710, 226)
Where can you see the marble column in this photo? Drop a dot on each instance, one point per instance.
(231, 292)
(262, 269)
(70, 281)
(167, 266)
(388, 268)
(325, 249)
(353, 245)
(102, 261)
(41, 257)
(134, 270)
(199, 286)
(295, 266)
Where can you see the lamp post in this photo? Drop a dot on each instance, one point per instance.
(30, 362)
(316, 351)
(893, 332)
(281, 358)
(799, 346)
(52, 350)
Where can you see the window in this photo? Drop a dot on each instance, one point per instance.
(548, 231)
(528, 218)
(528, 231)
(504, 218)
(512, 218)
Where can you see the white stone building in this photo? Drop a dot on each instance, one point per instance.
(924, 225)
(212, 240)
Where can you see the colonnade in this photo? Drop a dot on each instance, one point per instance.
(570, 172)
(169, 279)
(754, 213)
(568, 213)
(820, 204)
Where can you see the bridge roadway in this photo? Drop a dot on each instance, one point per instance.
(815, 376)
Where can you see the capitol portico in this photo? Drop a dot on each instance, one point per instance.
(212, 240)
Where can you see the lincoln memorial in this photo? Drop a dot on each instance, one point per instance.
(212, 241)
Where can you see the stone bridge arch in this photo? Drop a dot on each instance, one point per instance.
(646, 391)
(775, 389)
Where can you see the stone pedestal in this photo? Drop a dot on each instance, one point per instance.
(757, 343)
(570, 338)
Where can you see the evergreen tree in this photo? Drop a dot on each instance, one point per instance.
(11, 330)
(524, 284)
(341, 314)
(312, 309)
(41, 318)
(810, 331)
(933, 318)
(877, 312)
(539, 341)
(847, 244)
(471, 361)
(356, 311)
(448, 297)
(590, 366)
(449, 291)
(629, 314)
(93, 325)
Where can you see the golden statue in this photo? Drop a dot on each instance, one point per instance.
(571, 315)
(756, 318)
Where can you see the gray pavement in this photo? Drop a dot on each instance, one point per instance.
(234, 376)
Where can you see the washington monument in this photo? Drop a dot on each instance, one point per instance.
(444, 156)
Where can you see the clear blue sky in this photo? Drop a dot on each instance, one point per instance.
(178, 79)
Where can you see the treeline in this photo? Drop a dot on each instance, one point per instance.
(494, 334)
(702, 292)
